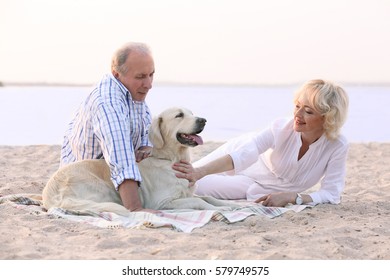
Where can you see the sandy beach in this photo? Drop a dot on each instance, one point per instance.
(356, 229)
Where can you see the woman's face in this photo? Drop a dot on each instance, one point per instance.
(306, 119)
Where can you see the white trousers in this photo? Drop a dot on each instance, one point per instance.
(224, 186)
(228, 185)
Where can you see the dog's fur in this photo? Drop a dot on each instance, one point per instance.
(86, 185)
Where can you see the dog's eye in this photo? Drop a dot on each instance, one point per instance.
(180, 115)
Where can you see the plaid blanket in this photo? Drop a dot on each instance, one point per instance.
(179, 220)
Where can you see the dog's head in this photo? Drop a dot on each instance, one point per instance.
(176, 126)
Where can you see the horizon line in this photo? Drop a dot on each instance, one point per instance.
(167, 83)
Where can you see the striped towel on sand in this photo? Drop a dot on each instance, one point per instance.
(179, 220)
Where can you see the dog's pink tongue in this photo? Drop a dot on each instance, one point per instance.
(196, 138)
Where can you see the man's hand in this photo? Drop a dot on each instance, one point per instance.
(142, 153)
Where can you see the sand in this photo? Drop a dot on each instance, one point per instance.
(356, 229)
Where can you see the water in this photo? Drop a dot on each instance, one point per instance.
(39, 115)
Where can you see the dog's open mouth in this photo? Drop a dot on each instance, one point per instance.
(191, 140)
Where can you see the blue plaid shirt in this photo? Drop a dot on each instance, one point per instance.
(109, 125)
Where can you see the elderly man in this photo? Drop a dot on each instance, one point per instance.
(113, 122)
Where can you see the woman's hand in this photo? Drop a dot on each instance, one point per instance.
(277, 199)
(186, 171)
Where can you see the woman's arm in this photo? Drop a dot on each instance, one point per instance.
(187, 171)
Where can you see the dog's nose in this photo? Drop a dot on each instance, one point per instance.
(201, 121)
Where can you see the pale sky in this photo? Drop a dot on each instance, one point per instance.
(198, 41)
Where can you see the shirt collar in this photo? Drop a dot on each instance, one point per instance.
(121, 86)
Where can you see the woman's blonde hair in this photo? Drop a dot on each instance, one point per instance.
(330, 100)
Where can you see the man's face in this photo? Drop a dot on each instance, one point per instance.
(139, 76)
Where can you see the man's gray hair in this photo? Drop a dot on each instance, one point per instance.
(120, 56)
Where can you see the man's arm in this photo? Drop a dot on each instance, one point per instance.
(128, 192)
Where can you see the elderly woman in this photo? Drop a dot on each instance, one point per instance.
(276, 165)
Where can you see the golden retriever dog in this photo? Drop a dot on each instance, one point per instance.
(86, 185)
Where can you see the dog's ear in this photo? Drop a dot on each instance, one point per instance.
(155, 135)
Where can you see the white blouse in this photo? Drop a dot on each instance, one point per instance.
(271, 159)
